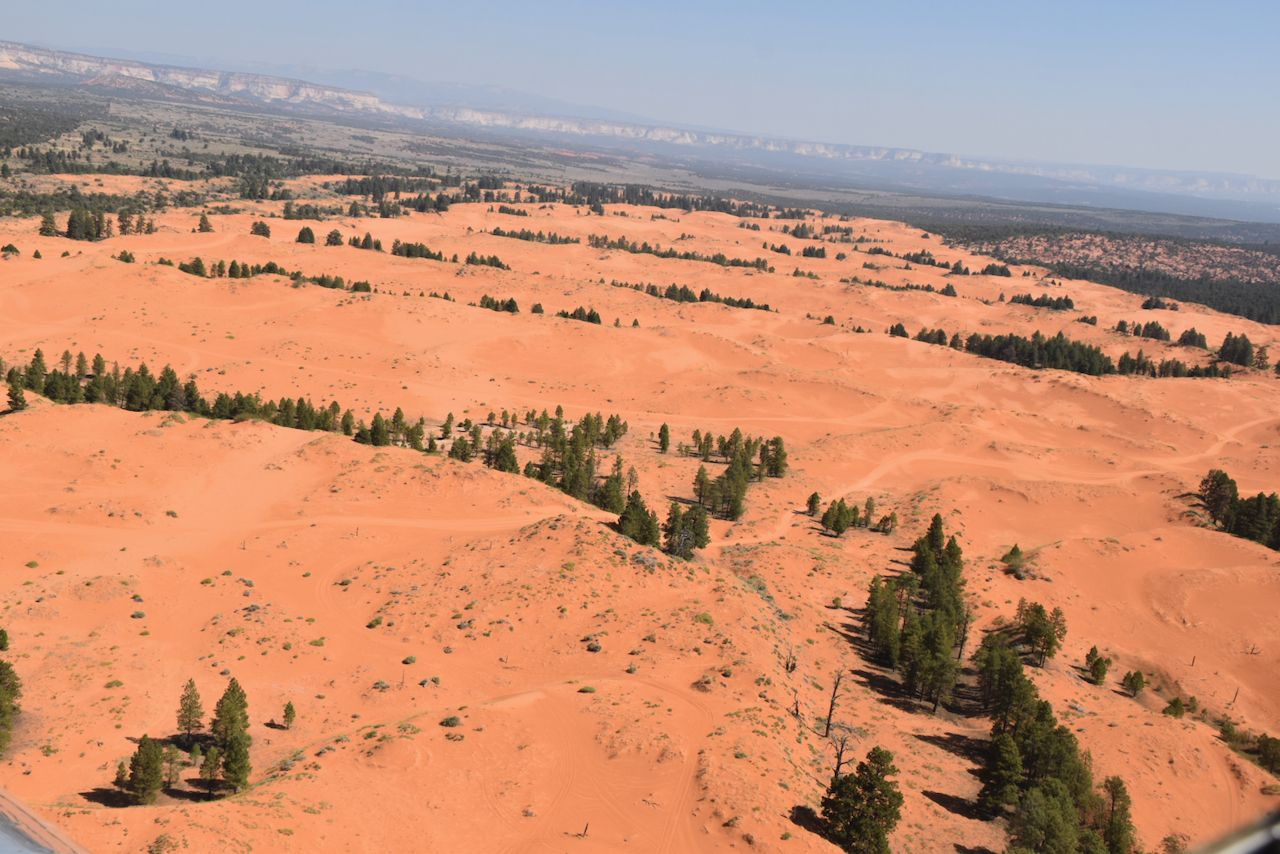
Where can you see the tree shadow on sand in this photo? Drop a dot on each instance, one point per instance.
(108, 797)
(956, 805)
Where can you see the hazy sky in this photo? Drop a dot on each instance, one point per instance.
(1159, 84)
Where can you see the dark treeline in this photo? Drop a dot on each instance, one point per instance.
(1063, 303)
(1256, 518)
(1061, 353)
(535, 236)
(510, 211)
(683, 293)
(26, 203)
(244, 270)
(925, 258)
(81, 381)
(595, 194)
(948, 290)
(603, 241)
(376, 187)
(1229, 295)
(1244, 299)
(916, 622)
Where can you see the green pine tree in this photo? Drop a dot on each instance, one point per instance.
(861, 809)
(190, 710)
(146, 771)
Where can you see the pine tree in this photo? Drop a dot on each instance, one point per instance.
(17, 397)
(1133, 682)
(1046, 820)
(813, 504)
(190, 710)
(638, 522)
(146, 771)
(664, 438)
(306, 235)
(290, 715)
(701, 484)
(210, 767)
(235, 762)
(231, 715)
(1004, 775)
(379, 435)
(121, 781)
(776, 455)
(204, 226)
(334, 238)
(861, 809)
(48, 227)
(1117, 824)
(172, 765)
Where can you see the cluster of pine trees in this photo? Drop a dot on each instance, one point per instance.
(234, 270)
(587, 315)
(1256, 518)
(1040, 352)
(1140, 364)
(1193, 338)
(1034, 771)
(415, 250)
(1239, 350)
(683, 293)
(567, 460)
(840, 516)
(368, 242)
(84, 224)
(509, 305)
(485, 261)
(1062, 303)
(221, 757)
(726, 494)
(916, 623)
(603, 241)
(1151, 329)
(535, 236)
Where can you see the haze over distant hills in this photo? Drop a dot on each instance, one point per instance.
(373, 96)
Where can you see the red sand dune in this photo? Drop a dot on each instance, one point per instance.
(262, 552)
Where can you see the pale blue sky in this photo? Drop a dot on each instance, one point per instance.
(1170, 84)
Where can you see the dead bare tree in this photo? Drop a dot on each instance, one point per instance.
(841, 741)
(831, 708)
